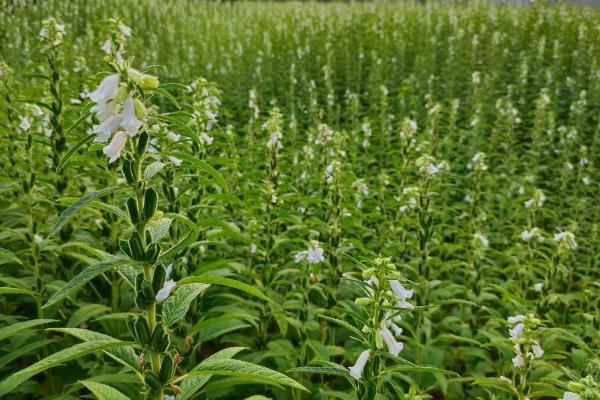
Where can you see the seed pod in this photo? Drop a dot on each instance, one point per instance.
(25, 186)
(142, 331)
(150, 202)
(132, 208)
(166, 369)
(124, 246)
(152, 253)
(142, 143)
(130, 321)
(157, 336)
(152, 380)
(160, 274)
(137, 248)
(129, 172)
(164, 344)
(147, 291)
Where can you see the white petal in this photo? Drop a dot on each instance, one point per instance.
(357, 369)
(116, 145)
(106, 90)
(130, 122)
(165, 292)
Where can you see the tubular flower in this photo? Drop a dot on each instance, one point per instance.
(106, 90)
(357, 370)
(130, 122)
(166, 290)
(401, 293)
(116, 145)
(394, 347)
(105, 130)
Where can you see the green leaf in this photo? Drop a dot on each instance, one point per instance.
(202, 165)
(153, 169)
(242, 369)
(322, 370)
(11, 290)
(232, 283)
(86, 312)
(19, 326)
(123, 355)
(159, 228)
(104, 392)
(192, 384)
(177, 305)
(87, 138)
(79, 350)
(10, 256)
(85, 276)
(73, 208)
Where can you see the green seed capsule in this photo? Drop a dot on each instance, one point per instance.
(164, 343)
(142, 331)
(137, 249)
(142, 143)
(132, 208)
(166, 369)
(130, 321)
(157, 336)
(150, 203)
(124, 246)
(128, 172)
(158, 280)
(148, 291)
(152, 380)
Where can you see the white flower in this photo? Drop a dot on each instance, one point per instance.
(538, 287)
(104, 110)
(125, 30)
(505, 379)
(37, 238)
(534, 233)
(516, 319)
(107, 46)
(130, 122)
(570, 396)
(567, 238)
(105, 130)
(394, 347)
(274, 141)
(357, 369)
(274, 199)
(106, 90)
(36, 111)
(537, 201)
(116, 145)
(44, 33)
(401, 293)
(252, 248)
(169, 271)
(538, 352)
(480, 237)
(164, 293)
(205, 138)
(516, 332)
(314, 255)
(403, 208)
(518, 361)
(175, 161)
(25, 124)
(586, 180)
(173, 137)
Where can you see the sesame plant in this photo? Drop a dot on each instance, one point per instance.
(195, 198)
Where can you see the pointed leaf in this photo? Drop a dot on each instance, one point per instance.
(232, 283)
(85, 276)
(55, 359)
(104, 392)
(243, 369)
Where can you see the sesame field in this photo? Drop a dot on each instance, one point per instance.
(388, 200)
